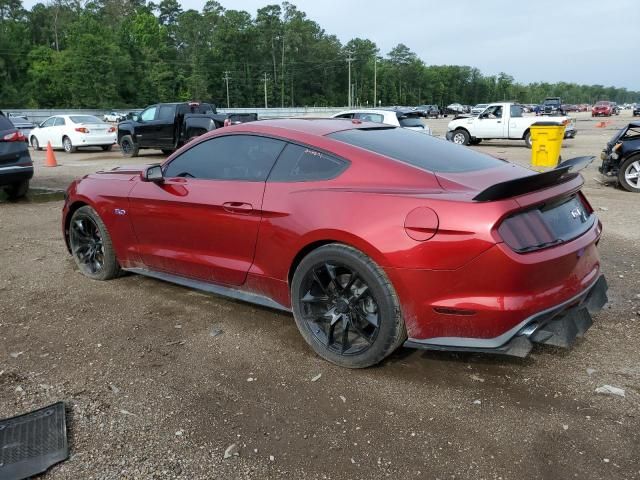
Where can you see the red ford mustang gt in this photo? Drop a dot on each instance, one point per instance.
(373, 236)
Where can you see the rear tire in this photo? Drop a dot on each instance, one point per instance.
(68, 146)
(128, 147)
(91, 245)
(629, 174)
(345, 307)
(34, 144)
(461, 137)
(18, 190)
(527, 140)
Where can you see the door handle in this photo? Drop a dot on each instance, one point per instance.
(237, 207)
(499, 121)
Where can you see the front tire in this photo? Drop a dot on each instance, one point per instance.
(527, 140)
(345, 307)
(629, 174)
(68, 145)
(35, 144)
(461, 137)
(128, 147)
(91, 245)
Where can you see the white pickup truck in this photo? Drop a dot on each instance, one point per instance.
(499, 121)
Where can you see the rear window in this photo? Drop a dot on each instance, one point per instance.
(5, 123)
(417, 149)
(85, 119)
(411, 122)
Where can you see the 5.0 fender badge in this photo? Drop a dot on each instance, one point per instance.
(119, 211)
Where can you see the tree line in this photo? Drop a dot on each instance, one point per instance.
(128, 53)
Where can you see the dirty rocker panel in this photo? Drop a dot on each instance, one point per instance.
(211, 287)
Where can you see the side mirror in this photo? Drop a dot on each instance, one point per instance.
(135, 117)
(153, 174)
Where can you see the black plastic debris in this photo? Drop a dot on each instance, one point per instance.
(33, 442)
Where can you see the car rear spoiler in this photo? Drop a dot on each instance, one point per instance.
(564, 172)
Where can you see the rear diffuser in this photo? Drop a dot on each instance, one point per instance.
(33, 442)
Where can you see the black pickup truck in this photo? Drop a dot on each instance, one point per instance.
(168, 126)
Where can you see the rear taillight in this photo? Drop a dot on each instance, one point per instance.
(552, 223)
(525, 232)
(82, 130)
(112, 129)
(14, 137)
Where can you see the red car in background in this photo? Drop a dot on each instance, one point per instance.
(374, 236)
(602, 109)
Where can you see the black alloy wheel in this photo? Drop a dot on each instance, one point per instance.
(91, 245)
(86, 244)
(345, 307)
(339, 308)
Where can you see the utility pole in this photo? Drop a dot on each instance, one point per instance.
(375, 81)
(226, 80)
(265, 80)
(349, 60)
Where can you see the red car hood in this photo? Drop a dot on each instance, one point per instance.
(476, 181)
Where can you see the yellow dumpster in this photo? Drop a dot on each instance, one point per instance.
(546, 141)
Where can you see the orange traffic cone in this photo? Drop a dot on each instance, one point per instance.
(51, 157)
(600, 125)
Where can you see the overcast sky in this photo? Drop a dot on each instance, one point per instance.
(582, 41)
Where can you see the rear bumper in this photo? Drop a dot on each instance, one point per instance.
(558, 326)
(14, 174)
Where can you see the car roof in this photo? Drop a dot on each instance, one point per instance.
(311, 126)
(380, 111)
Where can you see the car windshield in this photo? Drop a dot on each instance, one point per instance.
(85, 119)
(422, 151)
(552, 102)
(602, 104)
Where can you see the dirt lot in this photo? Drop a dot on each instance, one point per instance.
(153, 392)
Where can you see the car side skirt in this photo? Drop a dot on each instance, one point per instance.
(229, 292)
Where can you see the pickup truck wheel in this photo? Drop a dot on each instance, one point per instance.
(629, 174)
(167, 151)
(128, 146)
(107, 148)
(460, 137)
(527, 140)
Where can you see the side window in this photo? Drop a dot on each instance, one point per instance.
(59, 122)
(232, 157)
(493, 112)
(516, 111)
(344, 115)
(149, 114)
(167, 113)
(300, 164)
(49, 122)
(370, 117)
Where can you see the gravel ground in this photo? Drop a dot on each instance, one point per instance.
(160, 380)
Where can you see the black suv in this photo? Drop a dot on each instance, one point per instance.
(16, 167)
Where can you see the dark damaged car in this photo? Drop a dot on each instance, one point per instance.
(16, 167)
(621, 157)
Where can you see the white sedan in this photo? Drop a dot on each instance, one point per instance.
(409, 119)
(72, 131)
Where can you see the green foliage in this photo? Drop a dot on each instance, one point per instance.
(128, 53)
